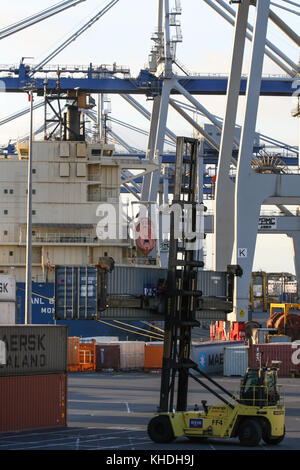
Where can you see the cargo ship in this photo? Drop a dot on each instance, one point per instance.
(71, 177)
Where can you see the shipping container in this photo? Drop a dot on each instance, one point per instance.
(73, 354)
(279, 339)
(153, 356)
(43, 313)
(209, 356)
(34, 349)
(7, 288)
(260, 335)
(87, 355)
(75, 293)
(7, 313)
(132, 355)
(235, 361)
(102, 339)
(33, 402)
(108, 356)
(286, 354)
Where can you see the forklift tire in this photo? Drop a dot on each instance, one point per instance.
(273, 441)
(160, 430)
(250, 433)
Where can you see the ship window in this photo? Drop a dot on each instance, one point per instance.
(96, 152)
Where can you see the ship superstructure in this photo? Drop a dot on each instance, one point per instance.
(70, 180)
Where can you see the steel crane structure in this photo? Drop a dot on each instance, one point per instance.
(160, 83)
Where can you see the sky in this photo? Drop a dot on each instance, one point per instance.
(123, 35)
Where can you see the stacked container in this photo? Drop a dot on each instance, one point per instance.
(7, 300)
(33, 377)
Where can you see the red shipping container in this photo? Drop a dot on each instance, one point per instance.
(33, 402)
(73, 354)
(288, 354)
(108, 356)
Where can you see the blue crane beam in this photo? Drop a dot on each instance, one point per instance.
(144, 84)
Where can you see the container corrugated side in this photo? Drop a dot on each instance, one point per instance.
(209, 356)
(287, 355)
(7, 313)
(132, 355)
(108, 356)
(235, 361)
(153, 356)
(34, 349)
(33, 402)
(131, 281)
(75, 292)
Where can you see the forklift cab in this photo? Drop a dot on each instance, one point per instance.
(259, 387)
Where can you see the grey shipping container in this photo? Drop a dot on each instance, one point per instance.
(76, 292)
(235, 360)
(34, 349)
(209, 356)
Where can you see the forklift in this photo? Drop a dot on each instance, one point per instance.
(256, 411)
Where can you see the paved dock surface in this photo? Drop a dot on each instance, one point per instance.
(110, 411)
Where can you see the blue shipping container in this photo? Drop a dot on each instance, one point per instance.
(43, 313)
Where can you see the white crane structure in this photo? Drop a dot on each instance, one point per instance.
(237, 204)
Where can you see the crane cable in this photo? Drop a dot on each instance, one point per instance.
(115, 326)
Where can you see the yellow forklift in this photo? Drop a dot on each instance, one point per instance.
(256, 412)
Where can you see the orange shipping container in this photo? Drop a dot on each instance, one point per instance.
(87, 356)
(153, 356)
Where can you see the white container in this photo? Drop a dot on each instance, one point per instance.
(101, 339)
(132, 354)
(7, 313)
(235, 361)
(209, 355)
(7, 288)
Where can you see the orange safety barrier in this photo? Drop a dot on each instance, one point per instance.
(153, 357)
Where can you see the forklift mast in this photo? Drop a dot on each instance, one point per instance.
(183, 296)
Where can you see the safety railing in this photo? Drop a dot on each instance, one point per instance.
(260, 395)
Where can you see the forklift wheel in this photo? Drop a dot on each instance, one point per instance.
(272, 440)
(250, 433)
(160, 429)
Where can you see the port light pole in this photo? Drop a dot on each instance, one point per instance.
(28, 285)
